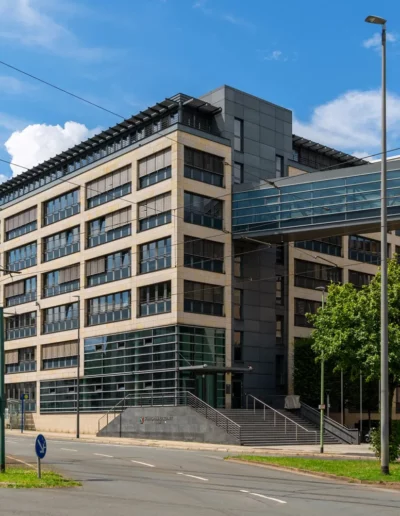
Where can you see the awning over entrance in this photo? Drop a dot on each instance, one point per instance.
(201, 369)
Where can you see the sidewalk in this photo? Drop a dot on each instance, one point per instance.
(330, 450)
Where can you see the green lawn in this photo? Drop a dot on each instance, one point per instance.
(364, 470)
(17, 477)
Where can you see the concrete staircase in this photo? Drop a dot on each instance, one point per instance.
(275, 430)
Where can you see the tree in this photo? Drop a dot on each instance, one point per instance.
(348, 329)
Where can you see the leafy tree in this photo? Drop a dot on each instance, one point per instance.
(348, 329)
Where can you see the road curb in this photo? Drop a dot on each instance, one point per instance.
(346, 480)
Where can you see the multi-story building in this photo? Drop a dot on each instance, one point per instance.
(123, 262)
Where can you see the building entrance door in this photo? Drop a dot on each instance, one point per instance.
(206, 388)
(237, 391)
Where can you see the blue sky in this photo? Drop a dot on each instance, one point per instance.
(317, 58)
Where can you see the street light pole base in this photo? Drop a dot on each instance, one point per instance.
(321, 450)
(385, 470)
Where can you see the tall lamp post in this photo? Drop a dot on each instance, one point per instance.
(321, 435)
(384, 278)
(78, 372)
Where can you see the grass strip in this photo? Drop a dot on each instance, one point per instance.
(362, 470)
(18, 477)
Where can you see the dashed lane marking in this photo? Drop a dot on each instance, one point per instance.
(263, 496)
(143, 464)
(193, 476)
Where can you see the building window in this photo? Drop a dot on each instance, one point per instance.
(204, 254)
(154, 168)
(203, 211)
(237, 173)
(238, 135)
(58, 396)
(238, 262)
(279, 166)
(61, 244)
(21, 326)
(21, 257)
(20, 224)
(20, 360)
(279, 290)
(61, 207)
(112, 267)
(279, 330)
(61, 318)
(20, 292)
(155, 212)
(204, 167)
(155, 255)
(280, 254)
(61, 281)
(238, 303)
(109, 187)
(203, 298)
(59, 362)
(364, 249)
(109, 308)
(155, 299)
(238, 346)
(328, 245)
(111, 227)
(360, 279)
(303, 307)
(312, 275)
(14, 391)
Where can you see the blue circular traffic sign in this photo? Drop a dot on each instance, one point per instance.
(40, 446)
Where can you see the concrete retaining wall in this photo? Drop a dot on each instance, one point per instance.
(169, 423)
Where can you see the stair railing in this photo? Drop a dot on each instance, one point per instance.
(278, 414)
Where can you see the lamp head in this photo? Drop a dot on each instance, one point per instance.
(376, 20)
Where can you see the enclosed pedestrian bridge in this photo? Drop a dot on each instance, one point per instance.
(318, 204)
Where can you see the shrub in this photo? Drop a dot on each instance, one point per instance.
(394, 441)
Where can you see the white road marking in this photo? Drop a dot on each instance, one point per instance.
(103, 455)
(22, 461)
(68, 449)
(263, 496)
(143, 463)
(215, 458)
(193, 476)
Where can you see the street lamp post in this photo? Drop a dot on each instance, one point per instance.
(78, 372)
(384, 278)
(321, 436)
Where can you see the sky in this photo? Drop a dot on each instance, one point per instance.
(319, 59)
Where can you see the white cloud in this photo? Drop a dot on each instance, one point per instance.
(351, 121)
(202, 6)
(38, 142)
(275, 55)
(375, 40)
(26, 22)
(3, 178)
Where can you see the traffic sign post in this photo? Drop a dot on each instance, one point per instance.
(41, 450)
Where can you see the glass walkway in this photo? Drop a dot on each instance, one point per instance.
(315, 204)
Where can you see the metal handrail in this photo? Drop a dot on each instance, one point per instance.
(185, 398)
(297, 425)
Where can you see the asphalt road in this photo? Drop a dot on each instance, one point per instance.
(126, 480)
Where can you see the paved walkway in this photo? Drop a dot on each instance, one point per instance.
(335, 450)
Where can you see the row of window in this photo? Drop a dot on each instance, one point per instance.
(153, 212)
(198, 253)
(201, 298)
(198, 165)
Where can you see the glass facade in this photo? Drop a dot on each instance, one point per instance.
(61, 244)
(61, 318)
(204, 254)
(329, 245)
(365, 249)
(112, 267)
(202, 298)
(155, 299)
(53, 284)
(106, 229)
(22, 257)
(303, 307)
(204, 211)
(346, 200)
(139, 363)
(154, 256)
(61, 207)
(312, 275)
(204, 167)
(360, 279)
(110, 308)
(14, 391)
(20, 326)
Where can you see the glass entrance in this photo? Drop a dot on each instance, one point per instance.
(206, 388)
